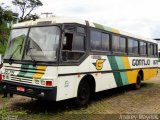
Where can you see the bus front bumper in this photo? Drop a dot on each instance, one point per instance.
(39, 92)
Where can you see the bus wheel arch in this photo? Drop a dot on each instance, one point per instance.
(90, 79)
(86, 89)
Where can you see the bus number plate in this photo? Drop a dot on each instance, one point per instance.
(22, 89)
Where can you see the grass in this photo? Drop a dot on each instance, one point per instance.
(120, 101)
(6, 113)
(116, 101)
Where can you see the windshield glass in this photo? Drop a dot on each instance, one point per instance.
(16, 44)
(42, 44)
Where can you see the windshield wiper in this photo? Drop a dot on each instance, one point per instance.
(31, 56)
(10, 59)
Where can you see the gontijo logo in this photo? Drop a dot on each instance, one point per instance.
(99, 64)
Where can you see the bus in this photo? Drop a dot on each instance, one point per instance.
(59, 58)
(158, 40)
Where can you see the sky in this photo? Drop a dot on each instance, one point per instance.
(140, 17)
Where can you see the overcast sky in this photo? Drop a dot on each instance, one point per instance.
(140, 17)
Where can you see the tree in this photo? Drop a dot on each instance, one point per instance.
(6, 18)
(6, 15)
(26, 7)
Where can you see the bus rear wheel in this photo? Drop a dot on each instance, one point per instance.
(83, 94)
(138, 83)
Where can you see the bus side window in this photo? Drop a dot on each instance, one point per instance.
(67, 43)
(73, 47)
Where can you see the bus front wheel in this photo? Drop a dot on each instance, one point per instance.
(83, 94)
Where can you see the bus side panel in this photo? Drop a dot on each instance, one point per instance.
(65, 87)
(148, 73)
(65, 82)
(104, 80)
(131, 75)
(69, 79)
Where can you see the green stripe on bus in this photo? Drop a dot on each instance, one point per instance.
(30, 74)
(98, 26)
(25, 66)
(124, 78)
(107, 28)
(120, 64)
(114, 66)
(32, 67)
(27, 73)
(21, 73)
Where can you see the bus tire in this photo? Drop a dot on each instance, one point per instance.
(137, 85)
(83, 94)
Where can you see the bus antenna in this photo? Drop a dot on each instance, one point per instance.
(47, 13)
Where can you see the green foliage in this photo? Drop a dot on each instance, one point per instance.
(6, 17)
(4, 111)
(3, 48)
(4, 35)
(26, 7)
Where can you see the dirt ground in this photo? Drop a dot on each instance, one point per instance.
(116, 101)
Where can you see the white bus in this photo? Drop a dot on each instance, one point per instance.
(158, 40)
(60, 58)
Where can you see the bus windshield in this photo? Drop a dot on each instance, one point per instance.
(16, 44)
(42, 44)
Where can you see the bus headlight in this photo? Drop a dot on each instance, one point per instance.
(3, 77)
(42, 82)
(7, 77)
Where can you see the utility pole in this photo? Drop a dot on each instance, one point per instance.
(47, 13)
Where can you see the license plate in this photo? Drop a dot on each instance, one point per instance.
(22, 89)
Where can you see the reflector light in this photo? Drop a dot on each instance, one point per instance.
(48, 83)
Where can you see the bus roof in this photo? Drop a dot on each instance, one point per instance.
(62, 19)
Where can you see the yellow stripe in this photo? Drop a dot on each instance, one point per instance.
(148, 73)
(41, 67)
(115, 30)
(131, 75)
(126, 62)
(39, 71)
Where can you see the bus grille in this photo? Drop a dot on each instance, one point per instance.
(21, 79)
